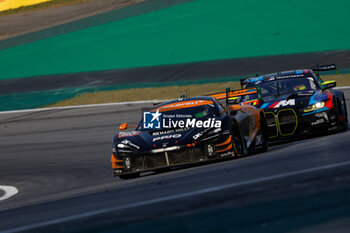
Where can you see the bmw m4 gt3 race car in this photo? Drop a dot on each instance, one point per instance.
(298, 103)
(188, 131)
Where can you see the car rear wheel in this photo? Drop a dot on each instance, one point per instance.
(237, 141)
(342, 114)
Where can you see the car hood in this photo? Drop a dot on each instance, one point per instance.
(293, 100)
(143, 141)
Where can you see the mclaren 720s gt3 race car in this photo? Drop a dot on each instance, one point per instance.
(188, 131)
(298, 103)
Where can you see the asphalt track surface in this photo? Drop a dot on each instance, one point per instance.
(59, 161)
(197, 71)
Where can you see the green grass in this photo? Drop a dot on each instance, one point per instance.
(121, 93)
(44, 5)
(152, 93)
(166, 92)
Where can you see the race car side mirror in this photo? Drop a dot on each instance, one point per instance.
(329, 84)
(123, 126)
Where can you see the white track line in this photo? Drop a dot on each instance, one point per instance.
(345, 87)
(9, 192)
(100, 105)
(83, 106)
(172, 197)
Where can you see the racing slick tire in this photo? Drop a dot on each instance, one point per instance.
(237, 141)
(129, 176)
(342, 123)
(163, 170)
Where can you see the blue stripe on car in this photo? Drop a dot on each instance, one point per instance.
(264, 105)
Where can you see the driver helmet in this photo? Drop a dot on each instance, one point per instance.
(299, 87)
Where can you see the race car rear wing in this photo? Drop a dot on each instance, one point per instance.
(233, 97)
(325, 67)
(319, 69)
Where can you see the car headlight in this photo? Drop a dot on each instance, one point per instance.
(314, 107)
(122, 146)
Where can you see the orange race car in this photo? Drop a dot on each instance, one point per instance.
(188, 131)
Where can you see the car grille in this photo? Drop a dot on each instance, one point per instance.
(287, 120)
(284, 123)
(138, 164)
(159, 160)
(182, 156)
(155, 160)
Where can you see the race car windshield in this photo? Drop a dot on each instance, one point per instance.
(199, 112)
(278, 87)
